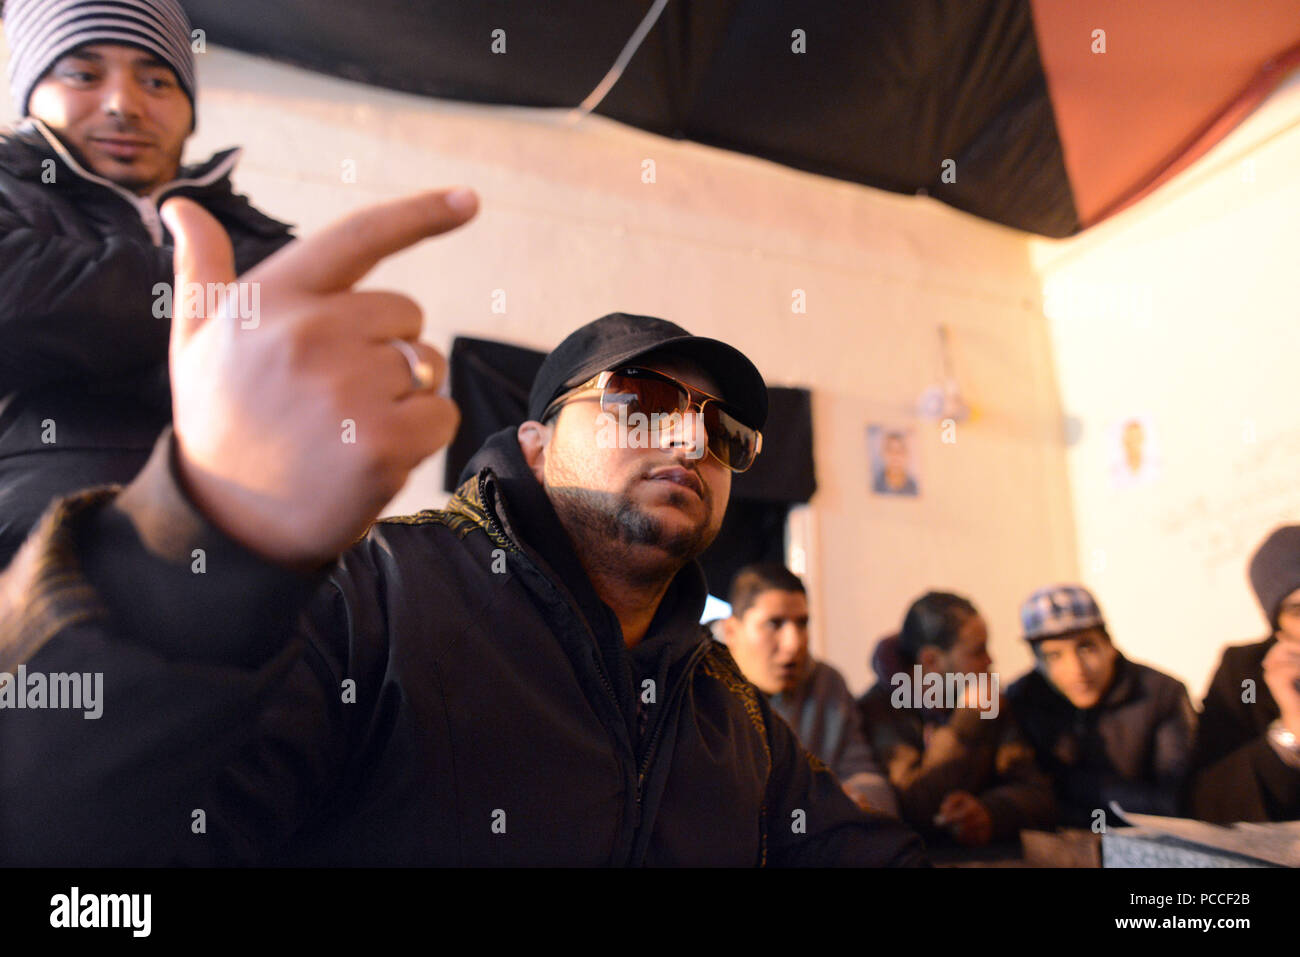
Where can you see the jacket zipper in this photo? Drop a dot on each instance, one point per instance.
(146, 207)
(600, 667)
(659, 726)
(604, 678)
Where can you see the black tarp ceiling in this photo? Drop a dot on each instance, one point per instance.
(886, 91)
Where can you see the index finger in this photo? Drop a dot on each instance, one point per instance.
(338, 256)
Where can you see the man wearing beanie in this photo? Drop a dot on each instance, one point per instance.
(520, 678)
(106, 91)
(1103, 728)
(1246, 765)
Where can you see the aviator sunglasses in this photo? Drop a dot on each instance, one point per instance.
(636, 389)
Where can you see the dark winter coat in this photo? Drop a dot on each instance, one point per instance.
(1236, 774)
(1133, 747)
(83, 349)
(456, 693)
(986, 757)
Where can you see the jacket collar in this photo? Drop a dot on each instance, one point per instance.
(1124, 687)
(24, 150)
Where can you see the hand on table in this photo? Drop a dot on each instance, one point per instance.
(966, 818)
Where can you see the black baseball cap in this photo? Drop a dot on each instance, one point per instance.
(618, 338)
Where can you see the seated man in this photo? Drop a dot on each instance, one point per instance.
(1246, 763)
(519, 678)
(959, 763)
(1105, 728)
(767, 634)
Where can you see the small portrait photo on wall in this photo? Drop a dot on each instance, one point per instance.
(1134, 452)
(893, 464)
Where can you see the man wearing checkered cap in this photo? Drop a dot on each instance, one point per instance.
(1058, 609)
(1103, 727)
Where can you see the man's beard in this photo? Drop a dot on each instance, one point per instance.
(611, 522)
(128, 176)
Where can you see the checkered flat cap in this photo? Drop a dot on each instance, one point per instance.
(1057, 609)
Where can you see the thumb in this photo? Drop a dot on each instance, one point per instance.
(203, 256)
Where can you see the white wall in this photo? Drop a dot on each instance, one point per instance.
(718, 243)
(1185, 309)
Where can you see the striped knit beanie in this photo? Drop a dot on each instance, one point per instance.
(39, 32)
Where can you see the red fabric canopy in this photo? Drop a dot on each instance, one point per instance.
(1176, 76)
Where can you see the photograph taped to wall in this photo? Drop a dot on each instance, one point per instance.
(1134, 452)
(893, 463)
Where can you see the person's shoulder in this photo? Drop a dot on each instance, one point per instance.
(1149, 687)
(209, 184)
(448, 517)
(1033, 705)
(885, 726)
(1237, 663)
(1155, 680)
(453, 522)
(429, 542)
(464, 512)
(1244, 658)
(826, 677)
(21, 166)
(233, 208)
(875, 700)
(716, 664)
(1029, 688)
(237, 207)
(21, 151)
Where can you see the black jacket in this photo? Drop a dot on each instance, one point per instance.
(986, 757)
(1133, 747)
(1236, 774)
(456, 693)
(83, 357)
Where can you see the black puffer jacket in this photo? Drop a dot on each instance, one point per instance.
(962, 751)
(455, 694)
(83, 358)
(1236, 774)
(1133, 747)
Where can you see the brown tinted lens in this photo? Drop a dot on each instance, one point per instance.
(732, 441)
(644, 394)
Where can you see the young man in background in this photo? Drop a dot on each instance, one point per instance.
(767, 634)
(1103, 727)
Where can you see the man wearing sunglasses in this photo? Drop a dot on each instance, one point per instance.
(519, 678)
(617, 481)
(635, 447)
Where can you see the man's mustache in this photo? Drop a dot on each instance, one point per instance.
(123, 129)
